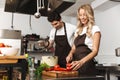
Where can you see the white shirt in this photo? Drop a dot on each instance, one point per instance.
(89, 41)
(70, 30)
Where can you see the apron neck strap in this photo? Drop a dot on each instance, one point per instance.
(64, 29)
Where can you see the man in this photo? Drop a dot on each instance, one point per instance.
(62, 35)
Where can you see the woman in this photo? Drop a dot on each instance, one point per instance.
(86, 43)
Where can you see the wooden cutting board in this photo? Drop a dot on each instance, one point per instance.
(60, 74)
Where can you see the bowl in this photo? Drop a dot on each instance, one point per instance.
(9, 51)
(50, 60)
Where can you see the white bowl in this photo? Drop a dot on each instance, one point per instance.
(50, 60)
(9, 51)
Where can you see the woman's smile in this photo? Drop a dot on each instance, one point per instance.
(83, 17)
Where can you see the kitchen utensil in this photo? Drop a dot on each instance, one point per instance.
(117, 52)
(37, 14)
(9, 51)
(43, 43)
(40, 43)
(50, 60)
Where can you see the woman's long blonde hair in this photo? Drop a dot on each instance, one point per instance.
(90, 15)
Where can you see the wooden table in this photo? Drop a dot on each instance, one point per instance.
(10, 62)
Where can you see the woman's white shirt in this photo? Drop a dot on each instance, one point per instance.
(89, 41)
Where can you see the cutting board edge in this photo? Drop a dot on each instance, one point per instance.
(60, 74)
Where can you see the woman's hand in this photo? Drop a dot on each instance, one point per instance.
(69, 58)
(76, 64)
(70, 55)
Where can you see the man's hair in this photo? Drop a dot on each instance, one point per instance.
(54, 16)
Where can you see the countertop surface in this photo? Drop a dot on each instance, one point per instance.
(110, 67)
(97, 77)
(107, 69)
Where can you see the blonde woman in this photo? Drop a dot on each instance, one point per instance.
(86, 43)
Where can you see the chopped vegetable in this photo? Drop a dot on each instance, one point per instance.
(68, 67)
(56, 66)
(40, 68)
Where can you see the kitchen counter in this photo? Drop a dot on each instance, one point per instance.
(22, 64)
(74, 78)
(108, 69)
(72, 75)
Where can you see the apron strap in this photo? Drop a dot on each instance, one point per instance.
(64, 30)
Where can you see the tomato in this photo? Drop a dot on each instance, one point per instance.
(68, 65)
(60, 69)
(57, 66)
(68, 68)
(2, 45)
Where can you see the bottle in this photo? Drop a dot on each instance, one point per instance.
(32, 70)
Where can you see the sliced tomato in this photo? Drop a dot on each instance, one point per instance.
(60, 69)
(69, 68)
(56, 66)
(68, 65)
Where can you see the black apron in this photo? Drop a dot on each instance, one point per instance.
(62, 48)
(81, 51)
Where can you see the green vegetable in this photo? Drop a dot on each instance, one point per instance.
(40, 68)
